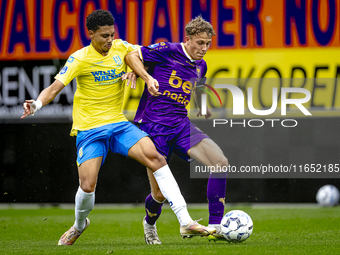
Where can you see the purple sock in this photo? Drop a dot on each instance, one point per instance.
(153, 210)
(216, 195)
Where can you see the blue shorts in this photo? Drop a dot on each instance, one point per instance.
(118, 137)
(176, 140)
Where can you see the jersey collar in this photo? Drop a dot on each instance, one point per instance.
(97, 53)
(186, 53)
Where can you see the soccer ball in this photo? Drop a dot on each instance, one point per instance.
(236, 226)
(328, 195)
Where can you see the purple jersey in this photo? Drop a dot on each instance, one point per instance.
(172, 67)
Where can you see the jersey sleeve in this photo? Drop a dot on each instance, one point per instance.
(71, 69)
(131, 47)
(156, 53)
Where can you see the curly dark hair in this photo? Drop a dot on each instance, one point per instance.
(99, 18)
(199, 25)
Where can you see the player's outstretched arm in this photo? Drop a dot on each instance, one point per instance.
(135, 63)
(45, 97)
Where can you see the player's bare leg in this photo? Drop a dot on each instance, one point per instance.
(88, 174)
(208, 153)
(144, 151)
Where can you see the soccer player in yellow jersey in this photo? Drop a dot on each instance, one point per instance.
(99, 124)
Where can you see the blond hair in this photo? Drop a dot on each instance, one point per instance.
(199, 25)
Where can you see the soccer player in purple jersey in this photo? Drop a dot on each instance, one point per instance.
(163, 115)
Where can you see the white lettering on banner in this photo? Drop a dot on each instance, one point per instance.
(16, 86)
(8, 85)
(47, 71)
(25, 84)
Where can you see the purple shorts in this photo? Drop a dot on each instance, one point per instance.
(176, 140)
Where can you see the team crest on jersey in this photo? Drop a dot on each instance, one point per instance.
(70, 59)
(63, 70)
(198, 71)
(117, 59)
(152, 46)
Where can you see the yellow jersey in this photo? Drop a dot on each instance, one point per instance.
(100, 90)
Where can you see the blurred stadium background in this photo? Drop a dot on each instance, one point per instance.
(255, 39)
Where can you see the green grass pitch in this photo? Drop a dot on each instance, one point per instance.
(119, 231)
